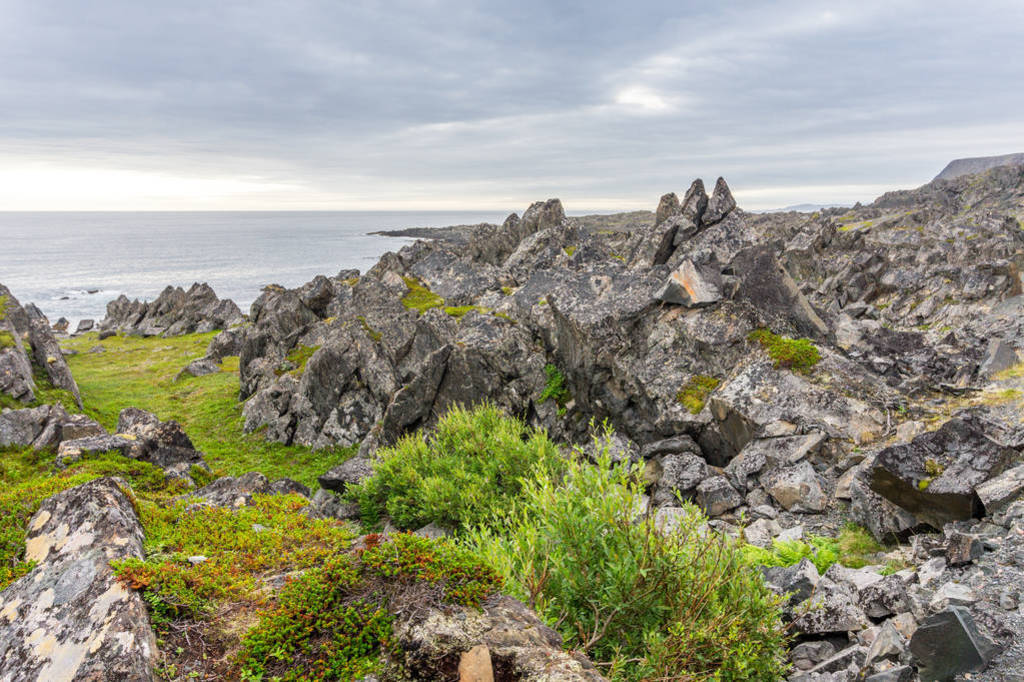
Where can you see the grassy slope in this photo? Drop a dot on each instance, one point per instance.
(137, 372)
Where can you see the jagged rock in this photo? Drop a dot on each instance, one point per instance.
(935, 475)
(884, 519)
(47, 354)
(680, 474)
(952, 593)
(715, 496)
(883, 598)
(962, 548)
(670, 446)
(806, 655)
(999, 356)
(902, 673)
(797, 582)
(287, 486)
(44, 427)
(850, 657)
(69, 618)
(719, 205)
(693, 284)
(230, 491)
(70, 451)
(164, 444)
(949, 643)
(433, 641)
(327, 505)
(797, 488)
(998, 493)
(766, 285)
(85, 326)
(200, 368)
(668, 206)
(61, 325)
(889, 645)
(764, 455)
(832, 608)
(349, 472)
(174, 312)
(225, 344)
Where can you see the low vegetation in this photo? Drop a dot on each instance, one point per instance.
(645, 604)
(800, 355)
(458, 476)
(555, 388)
(420, 298)
(296, 360)
(695, 392)
(140, 372)
(853, 548)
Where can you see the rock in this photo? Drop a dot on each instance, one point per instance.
(174, 312)
(433, 531)
(797, 488)
(45, 427)
(226, 344)
(806, 655)
(349, 472)
(720, 204)
(953, 593)
(884, 519)
(47, 354)
(475, 665)
(948, 644)
(765, 284)
(831, 609)
(998, 493)
(435, 640)
(999, 356)
(961, 548)
(164, 444)
(680, 475)
(327, 505)
(85, 326)
(884, 598)
(286, 486)
(930, 571)
(69, 618)
(61, 325)
(199, 368)
(850, 657)
(231, 491)
(761, 532)
(668, 206)
(797, 582)
(693, 285)
(715, 496)
(889, 645)
(935, 475)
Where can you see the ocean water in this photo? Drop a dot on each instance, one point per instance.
(71, 264)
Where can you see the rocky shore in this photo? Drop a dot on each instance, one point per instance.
(789, 373)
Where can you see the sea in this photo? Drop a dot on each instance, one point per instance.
(70, 264)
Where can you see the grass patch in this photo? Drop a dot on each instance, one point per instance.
(140, 372)
(695, 392)
(4, 302)
(856, 545)
(469, 468)
(797, 354)
(7, 340)
(420, 298)
(458, 312)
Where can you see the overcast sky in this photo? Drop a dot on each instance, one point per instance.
(292, 104)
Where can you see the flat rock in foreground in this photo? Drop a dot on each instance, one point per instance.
(70, 619)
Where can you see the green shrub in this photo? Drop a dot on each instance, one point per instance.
(822, 551)
(420, 298)
(797, 354)
(457, 476)
(645, 603)
(695, 392)
(555, 388)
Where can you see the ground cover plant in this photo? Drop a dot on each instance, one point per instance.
(797, 354)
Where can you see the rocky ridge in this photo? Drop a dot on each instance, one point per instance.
(175, 311)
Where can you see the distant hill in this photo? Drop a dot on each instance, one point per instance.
(978, 164)
(802, 208)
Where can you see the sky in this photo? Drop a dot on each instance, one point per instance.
(429, 104)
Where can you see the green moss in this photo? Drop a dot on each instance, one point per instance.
(796, 354)
(7, 340)
(4, 301)
(370, 331)
(298, 357)
(569, 251)
(508, 291)
(351, 281)
(458, 312)
(923, 484)
(140, 372)
(695, 392)
(933, 468)
(420, 298)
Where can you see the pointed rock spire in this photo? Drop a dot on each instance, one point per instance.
(720, 204)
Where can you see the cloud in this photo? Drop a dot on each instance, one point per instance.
(486, 104)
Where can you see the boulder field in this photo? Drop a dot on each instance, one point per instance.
(787, 372)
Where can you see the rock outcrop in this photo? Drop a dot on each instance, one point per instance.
(27, 342)
(69, 618)
(175, 311)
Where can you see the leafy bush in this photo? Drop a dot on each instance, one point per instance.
(555, 388)
(420, 298)
(457, 476)
(695, 393)
(796, 354)
(645, 603)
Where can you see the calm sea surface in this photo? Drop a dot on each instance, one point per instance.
(56, 259)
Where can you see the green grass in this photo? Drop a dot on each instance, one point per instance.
(695, 393)
(140, 372)
(4, 301)
(420, 298)
(7, 340)
(797, 354)
(856, 546)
